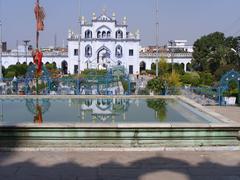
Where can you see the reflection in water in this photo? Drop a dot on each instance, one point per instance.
(38, 117)
(1, 113)
(38, 108)
(103, 110)
(159, 106)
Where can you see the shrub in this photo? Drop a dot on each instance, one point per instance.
(191, 78)
(206, 78)
(174, 80)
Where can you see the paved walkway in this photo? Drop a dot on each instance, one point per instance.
(120, 165)
(231, 112)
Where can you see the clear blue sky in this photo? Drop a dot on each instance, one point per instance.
(179, 19)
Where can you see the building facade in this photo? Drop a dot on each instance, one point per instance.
(104, 43)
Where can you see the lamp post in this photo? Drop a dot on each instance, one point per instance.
(171, 51)
(79, 46)
(26, 49)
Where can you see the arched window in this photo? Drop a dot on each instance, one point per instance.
(88, 51)
(108, 34)
(88, 34)
(119, 34)
(188, 68)
(119, 51)
(104, 34)
(99, 34)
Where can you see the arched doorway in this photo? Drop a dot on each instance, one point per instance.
(54, 64)
(182, 66)
(142, 67)
(153, 66)
(64, 67)
(103, 58)
(188, 67)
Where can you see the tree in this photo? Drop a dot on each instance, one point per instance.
(17, 70)
(157, 85)
(214, 51)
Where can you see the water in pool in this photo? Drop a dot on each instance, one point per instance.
(13, 112)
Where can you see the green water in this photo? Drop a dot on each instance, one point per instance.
(103, 111)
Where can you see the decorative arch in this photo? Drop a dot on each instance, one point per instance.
(119, 51)
(188, 68)
(88, 51)
(226, 79)
(103, 48)
(107, 53)
(88, 34)
(108, 34)
(182, 66)
(103, 26)
(142, 66)
(104, 34)
(99, 34)
(54, 64)
(119, 34)
(153, 66)
(64, 67)
(230, 76)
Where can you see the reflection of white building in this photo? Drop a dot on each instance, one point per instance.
(105, 109)
(104, 43)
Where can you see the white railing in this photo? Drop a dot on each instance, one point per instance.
(29, 54)
(166, 55)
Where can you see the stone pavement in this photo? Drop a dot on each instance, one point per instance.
(231, 112)
(183, 165)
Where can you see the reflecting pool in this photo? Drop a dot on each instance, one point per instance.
(103, 111)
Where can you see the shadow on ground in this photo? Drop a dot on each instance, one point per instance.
(152, 168)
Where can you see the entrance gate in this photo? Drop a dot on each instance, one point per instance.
(224, 83)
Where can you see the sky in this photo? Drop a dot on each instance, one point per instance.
(179, 19)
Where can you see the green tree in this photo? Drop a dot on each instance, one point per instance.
(157, 85)
(18, 70)
(213, 51)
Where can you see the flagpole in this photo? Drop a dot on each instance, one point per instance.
(37, 42)
(37, 32)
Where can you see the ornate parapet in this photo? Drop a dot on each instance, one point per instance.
(165, 55)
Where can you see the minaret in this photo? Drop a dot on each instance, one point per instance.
(113, 16)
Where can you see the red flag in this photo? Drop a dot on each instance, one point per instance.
(37, 59)
(39, 15)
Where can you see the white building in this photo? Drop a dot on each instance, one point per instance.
(104, 43)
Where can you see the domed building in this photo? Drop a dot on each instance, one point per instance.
(104, 43)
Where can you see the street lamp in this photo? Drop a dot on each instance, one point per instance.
(171, 51)
(79, 46)
(26, 48)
